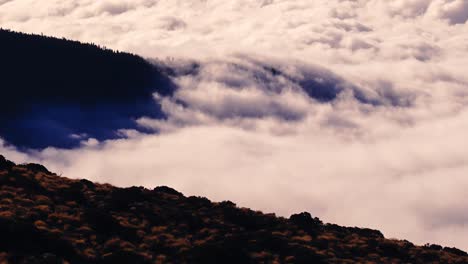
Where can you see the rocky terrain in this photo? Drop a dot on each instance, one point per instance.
(45, 218)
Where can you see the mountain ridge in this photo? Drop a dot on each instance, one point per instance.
(68, 91)
(46, 218)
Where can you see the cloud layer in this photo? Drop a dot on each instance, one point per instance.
(353, 110)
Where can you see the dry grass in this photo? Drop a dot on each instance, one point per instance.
(79, 221)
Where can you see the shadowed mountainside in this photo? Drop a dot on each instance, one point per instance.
(67, 91)
(45, 218)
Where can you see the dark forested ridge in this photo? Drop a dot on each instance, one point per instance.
(57, 88)
(45, 218)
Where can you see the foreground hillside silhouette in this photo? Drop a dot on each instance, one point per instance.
(67, 91)
(45, 218)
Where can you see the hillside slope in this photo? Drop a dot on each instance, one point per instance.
(67, 91)
(45, 218)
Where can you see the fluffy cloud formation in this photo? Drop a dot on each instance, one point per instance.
(353, 110)
(455, 11)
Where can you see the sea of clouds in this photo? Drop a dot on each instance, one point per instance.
(353, 110)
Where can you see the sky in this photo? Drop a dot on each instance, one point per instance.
(355, 111)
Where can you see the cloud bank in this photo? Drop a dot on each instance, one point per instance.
(352, 110)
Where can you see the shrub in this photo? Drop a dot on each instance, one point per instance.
(305, 221)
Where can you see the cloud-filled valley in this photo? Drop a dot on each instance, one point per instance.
(353, 110)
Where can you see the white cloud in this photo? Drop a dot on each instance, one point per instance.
(455, 11)
(395, 161)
